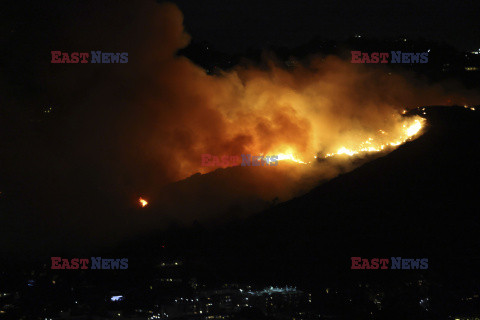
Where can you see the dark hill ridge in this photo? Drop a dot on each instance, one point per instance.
(419, 201)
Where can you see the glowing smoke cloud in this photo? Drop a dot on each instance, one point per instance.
(141, 127)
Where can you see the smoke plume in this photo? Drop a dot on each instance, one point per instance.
(139, 129)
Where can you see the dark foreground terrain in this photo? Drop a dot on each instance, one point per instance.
(293, 261)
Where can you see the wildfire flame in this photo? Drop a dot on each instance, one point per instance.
(142, 202)
(291, 157)
(409, 130)
(383, 140)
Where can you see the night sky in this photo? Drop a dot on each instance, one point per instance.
(236, 25)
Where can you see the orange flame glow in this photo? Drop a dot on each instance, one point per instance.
(409, 129)
(142, 202)
(405, 130)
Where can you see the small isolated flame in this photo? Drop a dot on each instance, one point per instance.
(142, 202)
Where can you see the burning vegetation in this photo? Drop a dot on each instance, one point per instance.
(148, 123)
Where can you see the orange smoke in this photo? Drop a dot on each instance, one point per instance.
(146, 124)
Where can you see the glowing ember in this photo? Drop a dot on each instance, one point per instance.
(143, 202)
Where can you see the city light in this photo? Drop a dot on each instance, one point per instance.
(116, 298)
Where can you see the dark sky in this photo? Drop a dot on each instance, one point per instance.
(235, 25)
